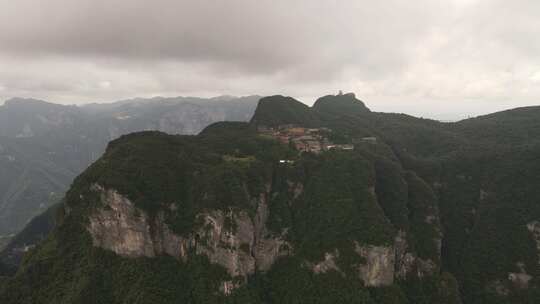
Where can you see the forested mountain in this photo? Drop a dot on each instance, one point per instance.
(33, 233)
(43, 146)
(325, 204)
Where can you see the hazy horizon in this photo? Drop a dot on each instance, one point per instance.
(444, 114)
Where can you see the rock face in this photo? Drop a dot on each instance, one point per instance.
(229, 238)
(377, 270)
(534, 229)
(329, 263)
(234, 240)
(404, 259)
(379, 267)
(119, 228)
(266, 249)
(226, 246)
(520, 279)
(381, 263)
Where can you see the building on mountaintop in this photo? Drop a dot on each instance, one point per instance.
(312, 140)
(346, 147)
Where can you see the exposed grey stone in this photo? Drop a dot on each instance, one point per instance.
(425, 267)
(119, 228)
(520, 279)
(404, 261)
(241, 248)
(534, 229)
(329, 263)
(379, 267)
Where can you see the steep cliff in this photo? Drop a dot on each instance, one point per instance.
(225, 197)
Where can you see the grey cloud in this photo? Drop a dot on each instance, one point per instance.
(414, 56)
(264, 36)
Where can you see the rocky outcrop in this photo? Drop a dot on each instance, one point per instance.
(329, 263)
(378, 269)
(229, 247)
(534, 229)
(267, 247)
(382, 264)
(230, 238)
(404, 259)
(120, 227)
(520, 279)
(514, 280)
(425, 267)
(408, 263)
(240, 243)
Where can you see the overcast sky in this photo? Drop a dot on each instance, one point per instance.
(442, 59)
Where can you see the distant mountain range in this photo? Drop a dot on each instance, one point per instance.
(43, 146)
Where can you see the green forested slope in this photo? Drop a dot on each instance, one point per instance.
(44, 146)
(462, 199)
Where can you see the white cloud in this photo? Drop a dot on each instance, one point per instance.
(535, 77)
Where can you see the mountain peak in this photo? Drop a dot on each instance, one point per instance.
(340, 104)
(19, 100)
(30, 104)
(278, 110)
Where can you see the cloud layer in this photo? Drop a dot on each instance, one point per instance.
(420, 57)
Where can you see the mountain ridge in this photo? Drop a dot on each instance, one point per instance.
(43, 146)
(390, 209)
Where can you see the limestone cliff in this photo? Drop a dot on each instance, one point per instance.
(379, 267)
(231, 239)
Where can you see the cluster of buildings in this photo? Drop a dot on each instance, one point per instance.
(313, 140)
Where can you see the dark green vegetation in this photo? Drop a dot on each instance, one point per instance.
(463, 196)
(33, 233)
(291, 112)
(44, 146)
(337, 105)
